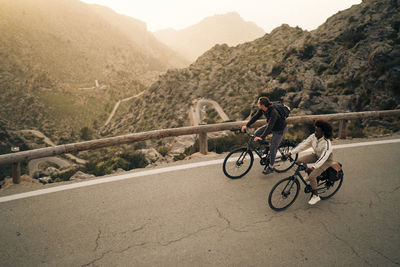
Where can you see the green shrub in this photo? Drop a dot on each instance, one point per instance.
(125, 161)
(276, 70)
(135, 159)
(325, 110)
(355, 129)
(282, 79)
(387, 105)
(139, 145)
(292, 51)
(393, 84)
(348, 91)
(332, 70)
(209, 120)
(352, 19)
(163, 151)
(320, 69)
(86, 133)
(181, 156)
(245, 112)
(351, 37)
(294, 103)
(63, 176)
(275, 95)
(307, 51)
(396, 25)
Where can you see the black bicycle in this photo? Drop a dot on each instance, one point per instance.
(285, 192)
(239, 162)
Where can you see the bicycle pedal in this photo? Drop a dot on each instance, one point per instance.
(307, 189)
(263, 161)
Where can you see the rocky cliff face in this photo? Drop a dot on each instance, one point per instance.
(350, 63)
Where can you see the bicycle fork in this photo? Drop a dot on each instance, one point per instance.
(288, 187)
(241, 158)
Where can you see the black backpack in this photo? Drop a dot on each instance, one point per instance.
(282, 109)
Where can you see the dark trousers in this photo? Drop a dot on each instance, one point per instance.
(276, 139)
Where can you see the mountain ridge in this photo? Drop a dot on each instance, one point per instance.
(194, 40)
(350, 63)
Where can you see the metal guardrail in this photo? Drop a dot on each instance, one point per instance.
(202, 130)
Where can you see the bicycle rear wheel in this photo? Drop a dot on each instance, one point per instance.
(282, 163)
(284, 193)
(238, 163)
(327, 188)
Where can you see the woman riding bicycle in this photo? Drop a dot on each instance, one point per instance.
(320, 158)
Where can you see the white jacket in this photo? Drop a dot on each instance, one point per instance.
(322, 148)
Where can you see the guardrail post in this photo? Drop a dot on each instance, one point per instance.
(203, 144)
(16, 167)
(16, 172)
(342, 129)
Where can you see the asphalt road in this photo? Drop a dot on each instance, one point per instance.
(198, 217)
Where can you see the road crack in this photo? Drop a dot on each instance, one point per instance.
(97, 240)
(384, 256)
(347, 244)
(186, 236)
(97, 259)
(99, 236)
(228, 222)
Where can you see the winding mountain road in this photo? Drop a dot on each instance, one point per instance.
(51, 143)
(116, 106)
(197, 106)
(33, 165)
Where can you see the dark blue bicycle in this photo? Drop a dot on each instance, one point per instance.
(239, 162)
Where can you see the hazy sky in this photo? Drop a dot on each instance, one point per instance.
(268, 14)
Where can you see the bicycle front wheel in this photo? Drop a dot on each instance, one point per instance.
(284, 193)
(283, 163)
(238, 163)
(328, 188)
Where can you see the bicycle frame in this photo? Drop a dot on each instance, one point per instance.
(297, 174)
(262, 149)
(251, 145)
(284, 192)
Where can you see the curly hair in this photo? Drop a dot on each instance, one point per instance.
(325, 126)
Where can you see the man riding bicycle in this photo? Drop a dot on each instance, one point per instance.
(321, 157)
(276, 125)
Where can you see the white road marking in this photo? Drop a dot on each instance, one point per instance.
(155, 171)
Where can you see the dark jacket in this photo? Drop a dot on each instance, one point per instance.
(274, 120)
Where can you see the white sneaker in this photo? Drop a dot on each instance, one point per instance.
(314, 199)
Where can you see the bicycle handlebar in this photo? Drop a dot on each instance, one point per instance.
(301, 166)
(249, 134)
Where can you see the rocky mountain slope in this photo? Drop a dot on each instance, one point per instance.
(193, 41)
(51, 50)
(350, 63)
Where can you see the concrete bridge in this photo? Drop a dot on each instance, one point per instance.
(190, 214)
